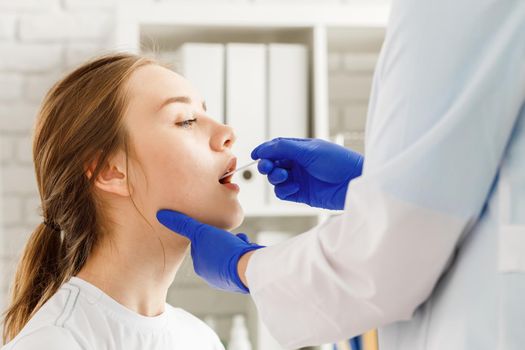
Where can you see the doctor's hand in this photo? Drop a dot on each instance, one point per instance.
(215, 252)
(310, 171)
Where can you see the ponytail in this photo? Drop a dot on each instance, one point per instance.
(80, 123)
(38, 277)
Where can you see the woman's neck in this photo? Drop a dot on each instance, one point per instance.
(135, 264)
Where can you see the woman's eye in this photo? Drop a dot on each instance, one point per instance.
(187, 123)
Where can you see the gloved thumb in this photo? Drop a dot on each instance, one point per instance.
(179, 223)
(282, 148)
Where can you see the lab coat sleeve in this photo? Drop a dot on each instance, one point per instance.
(447, 91)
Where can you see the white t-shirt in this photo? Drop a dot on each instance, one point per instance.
(81, 316)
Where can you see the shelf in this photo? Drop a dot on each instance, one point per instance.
(356, 13)
(159, 18)
(364, 39)
(171, 36)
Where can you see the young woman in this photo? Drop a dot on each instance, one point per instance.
(116, 140)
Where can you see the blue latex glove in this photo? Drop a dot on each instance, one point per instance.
(310, 171)
(215, 252)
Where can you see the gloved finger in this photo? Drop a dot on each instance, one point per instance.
(279, 148)
(287, 189)
(244, 237)
(256, 149)
(277, 176)
(265, 166)
(180, 223)
(284, 163)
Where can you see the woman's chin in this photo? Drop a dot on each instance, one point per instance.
(230, 220)
(227, 218)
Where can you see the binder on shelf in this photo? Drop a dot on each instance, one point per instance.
(288, 112)
(203, 65)
(288, 90)
(246, 112)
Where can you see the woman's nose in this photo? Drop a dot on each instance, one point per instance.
(224, 138)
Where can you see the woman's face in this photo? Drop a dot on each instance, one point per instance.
(178, 151)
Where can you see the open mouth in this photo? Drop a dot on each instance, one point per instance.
(231, 166)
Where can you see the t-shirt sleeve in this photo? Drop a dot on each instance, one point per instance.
(48, 337)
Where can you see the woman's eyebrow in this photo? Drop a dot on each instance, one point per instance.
(180, 99)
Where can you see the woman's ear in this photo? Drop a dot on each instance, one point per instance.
(112, 178)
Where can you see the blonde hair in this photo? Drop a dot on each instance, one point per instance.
(80, 122)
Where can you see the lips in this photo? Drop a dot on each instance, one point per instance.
(230, 167)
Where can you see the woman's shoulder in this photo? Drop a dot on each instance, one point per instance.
(45, 330)
(193, 326)
(44, 337)
(182, 316)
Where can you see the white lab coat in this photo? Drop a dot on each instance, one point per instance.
(431, 245)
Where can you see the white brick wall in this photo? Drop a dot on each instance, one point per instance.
(77, 53)
(38, 84)
(88, 4)
(34, 57)
(6, 150)
(23, 150)
(32, 211)
(60, 26)
(7, 26)
(29, 5)
(39, 41)
(17, 117)
(19, 179)
(11, 85)
(12, 210)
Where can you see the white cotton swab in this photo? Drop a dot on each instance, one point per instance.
(239, 169)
